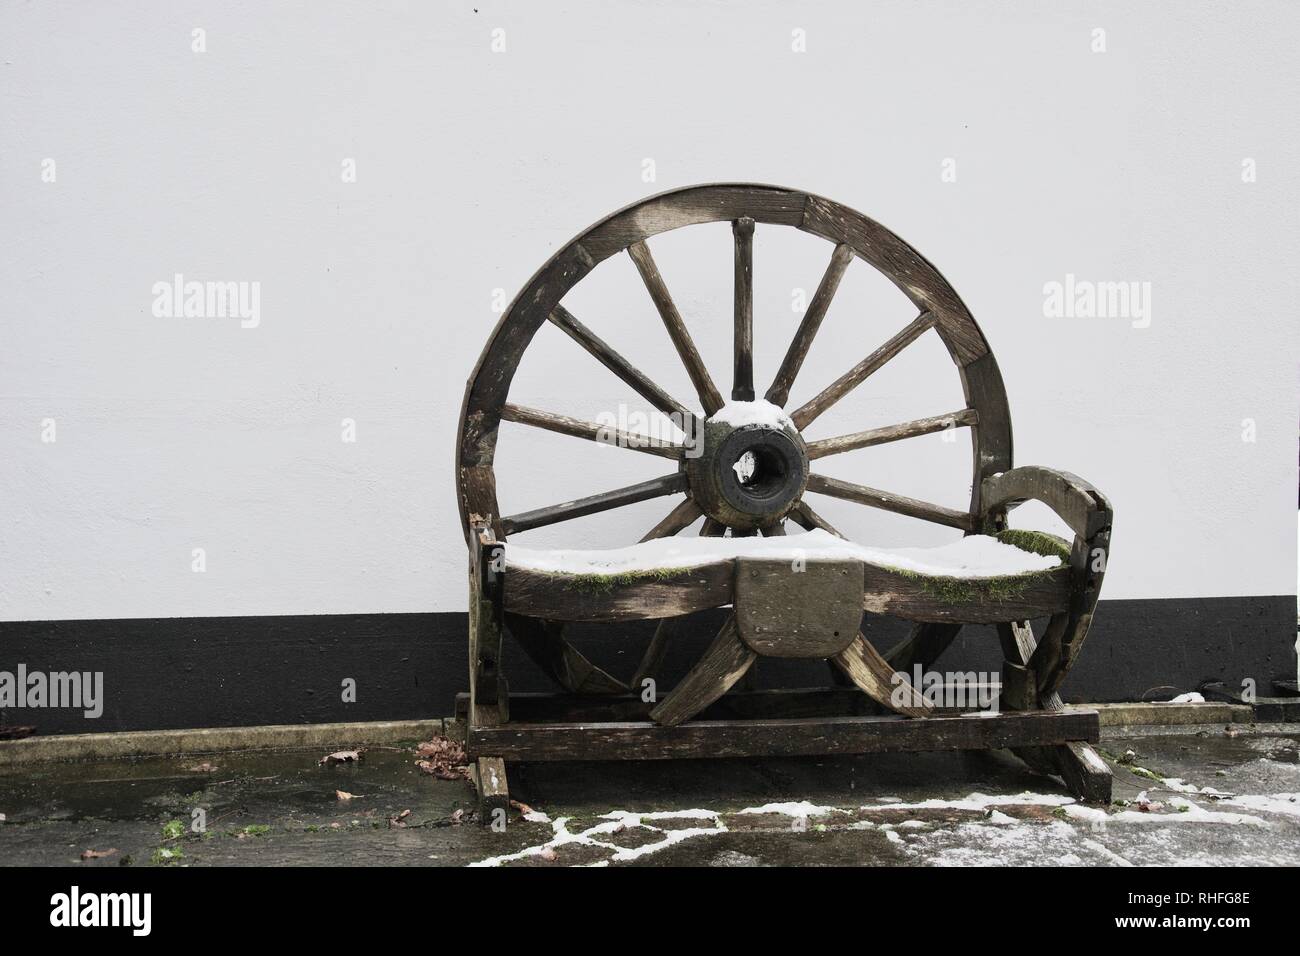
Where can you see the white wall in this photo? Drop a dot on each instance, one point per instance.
(473, 166)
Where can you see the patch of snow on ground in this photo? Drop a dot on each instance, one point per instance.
(798, 810)
(980, 801)
(1184, 811)
(1284, 803)
(974, 556)
(1192, 698)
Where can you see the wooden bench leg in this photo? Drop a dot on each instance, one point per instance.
(1084, 772)
(489, 777)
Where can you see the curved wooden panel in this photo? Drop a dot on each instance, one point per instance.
(576, 597)
(965, 600)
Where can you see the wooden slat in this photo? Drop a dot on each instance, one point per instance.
(540, 517)
(918, 598)
(780, 703)
(680, 518)
(561, 597)
(880, 436)
(629, 373)
(888, 501)
(603, 434)
(855, 376)
(710, 397)
(742, 388)
(640, 740)
(779, 392)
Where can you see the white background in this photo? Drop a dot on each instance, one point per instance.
(474, 166)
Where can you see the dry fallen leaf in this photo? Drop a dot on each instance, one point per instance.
(204, 767)
(343, 795)
(97, 854)
(341, 756)
(443, 758)
(458, 816)
(400, 819)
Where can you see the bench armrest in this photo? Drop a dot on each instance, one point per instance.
(1081, 506)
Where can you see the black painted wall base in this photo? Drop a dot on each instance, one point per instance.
(170, 673)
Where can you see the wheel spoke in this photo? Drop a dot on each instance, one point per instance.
(724, 663)
(779, 393)
(878, 680)
(860, 372)
(604, 434)
(713, 529)
(742, 387)
(624, 369)
(888, 501)
(803, 515)
(655, 488)
(680, 518)
(879, 436)
(710, 398)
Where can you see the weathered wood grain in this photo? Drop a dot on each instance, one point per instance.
(891, 433)
(681, 517)
(811, 610)
(888, 501)
(489, 777)
(818, 404)
(628, 598)
(963, 601)
(724, 663)
(616, 363)
(805, 517)
(593, 504)
(742, 388)
(638, 740)
(710, 397)
(602, 434)
(878, 680)
(779, 392)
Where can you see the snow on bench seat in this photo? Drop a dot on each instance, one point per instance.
(975, 556)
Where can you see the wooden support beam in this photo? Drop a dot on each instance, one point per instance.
(641, 740)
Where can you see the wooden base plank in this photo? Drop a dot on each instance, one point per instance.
(643, 740)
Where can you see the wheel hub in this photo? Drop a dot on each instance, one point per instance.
(749, 475)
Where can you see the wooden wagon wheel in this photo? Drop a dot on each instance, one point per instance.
(707, 481)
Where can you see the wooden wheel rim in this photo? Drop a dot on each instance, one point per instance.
(489, 384)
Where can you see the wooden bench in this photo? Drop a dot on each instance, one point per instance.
(745, 472)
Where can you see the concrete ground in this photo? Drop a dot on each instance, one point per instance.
(1209, 797)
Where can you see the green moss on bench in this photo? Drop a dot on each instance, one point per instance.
(605, 583)
(1036, 542)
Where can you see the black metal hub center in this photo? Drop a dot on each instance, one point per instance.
(760, 471)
